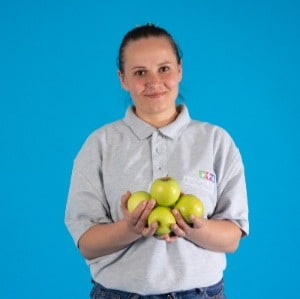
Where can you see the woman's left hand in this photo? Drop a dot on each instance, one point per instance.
(213, 234)
(180, 229)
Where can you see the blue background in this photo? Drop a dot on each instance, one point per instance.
(58, 83)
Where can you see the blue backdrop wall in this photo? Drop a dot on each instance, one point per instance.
(58, 83)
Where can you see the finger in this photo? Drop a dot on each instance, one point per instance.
(197, 222)
(137, 213)
(150, 231)
(162, 237)
(123, 205)
(178, 231)
(148, 207)
(171, 239)
(143, 207)
(167, 238)
(124, 199)
(179, 219)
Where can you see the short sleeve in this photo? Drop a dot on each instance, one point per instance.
(86, 204)
(232, 203)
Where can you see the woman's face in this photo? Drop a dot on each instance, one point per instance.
(151, 75)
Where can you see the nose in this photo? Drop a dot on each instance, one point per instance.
(153, 79)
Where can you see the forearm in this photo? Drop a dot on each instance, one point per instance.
(104, 239)
(216, 235)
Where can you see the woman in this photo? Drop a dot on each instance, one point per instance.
(156, 138)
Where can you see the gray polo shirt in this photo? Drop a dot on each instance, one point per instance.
(128, 155)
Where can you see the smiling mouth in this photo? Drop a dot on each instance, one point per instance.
(155, 95)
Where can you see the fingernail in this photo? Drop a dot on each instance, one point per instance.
(152, 202)
(153, 225)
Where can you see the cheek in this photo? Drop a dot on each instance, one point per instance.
(172, 81)
(136, 87)
(138, 84)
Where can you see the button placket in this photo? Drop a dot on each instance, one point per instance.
(159, 155)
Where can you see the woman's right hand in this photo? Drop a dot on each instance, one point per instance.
(137, 220)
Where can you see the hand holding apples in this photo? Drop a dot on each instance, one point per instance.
(136, 198)
(189, 204)
(164, 219)
(137, 219)
(188, 212)
(183, 229)
(167, 194)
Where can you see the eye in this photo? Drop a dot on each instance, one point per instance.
(164, 69)
(140, 73)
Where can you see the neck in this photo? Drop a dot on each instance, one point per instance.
(159, 120)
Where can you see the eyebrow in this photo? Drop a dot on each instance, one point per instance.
(138, 67)
(143, 67)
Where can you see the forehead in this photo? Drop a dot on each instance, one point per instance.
(148, 49)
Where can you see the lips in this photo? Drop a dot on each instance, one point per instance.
(155, 95)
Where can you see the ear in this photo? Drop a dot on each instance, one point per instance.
(122, 80)
(180, 70)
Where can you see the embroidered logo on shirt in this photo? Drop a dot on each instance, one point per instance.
(205, 175)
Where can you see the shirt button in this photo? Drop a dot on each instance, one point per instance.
(158, 150)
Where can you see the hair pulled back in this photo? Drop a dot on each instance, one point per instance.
(146, 31)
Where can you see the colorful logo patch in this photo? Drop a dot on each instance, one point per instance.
(205, 175)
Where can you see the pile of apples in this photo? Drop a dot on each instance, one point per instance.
(166, 191)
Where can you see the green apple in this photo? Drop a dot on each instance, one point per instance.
(136, 198)
(165, 191)
(164, 218)
(189, 204)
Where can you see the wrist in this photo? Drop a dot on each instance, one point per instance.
(129, 231)
(196, 233)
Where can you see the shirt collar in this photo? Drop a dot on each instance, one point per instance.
(143, 130)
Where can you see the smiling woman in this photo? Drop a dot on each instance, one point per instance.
(153, 136)
(151, 73)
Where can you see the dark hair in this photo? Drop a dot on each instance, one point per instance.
(145, 31)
